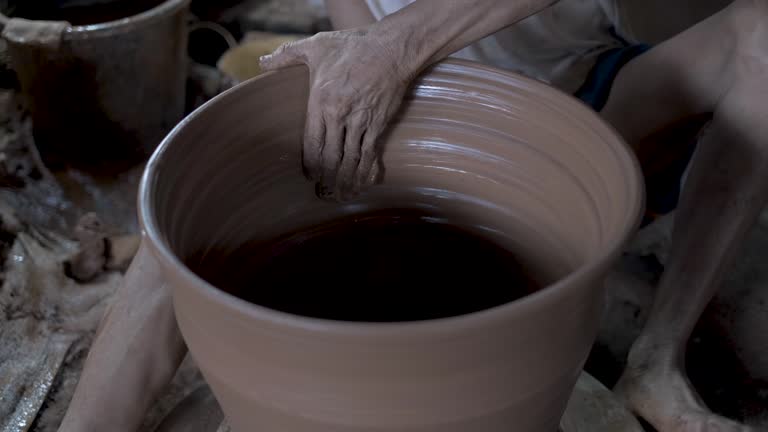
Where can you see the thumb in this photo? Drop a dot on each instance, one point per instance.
(289, 54)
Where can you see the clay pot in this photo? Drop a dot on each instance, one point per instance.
(512, 159)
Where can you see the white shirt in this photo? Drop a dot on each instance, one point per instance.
(560, 44)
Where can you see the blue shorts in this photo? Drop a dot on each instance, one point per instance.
(662, 191)
(596, 88)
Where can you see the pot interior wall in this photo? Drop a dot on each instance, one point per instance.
(511, 160)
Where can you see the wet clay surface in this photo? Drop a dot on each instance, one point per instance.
(385, 265)
(85, 15)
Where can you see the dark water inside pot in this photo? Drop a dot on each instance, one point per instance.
(382, 266)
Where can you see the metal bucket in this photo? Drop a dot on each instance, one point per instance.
(109, 91)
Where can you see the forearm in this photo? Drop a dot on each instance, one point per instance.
(427, 31)
(347, 14)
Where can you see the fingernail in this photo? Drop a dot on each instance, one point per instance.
(323, 192)
(377, 173)
(340, 195)
(306, 173)
(311, 173)
(376, 178)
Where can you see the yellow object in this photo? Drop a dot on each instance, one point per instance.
(242, 62)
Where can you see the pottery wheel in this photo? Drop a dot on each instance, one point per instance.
(594, 408)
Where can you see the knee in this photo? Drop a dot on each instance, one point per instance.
(740, 115)
(749, 25)
(749, 11)
(743, 83)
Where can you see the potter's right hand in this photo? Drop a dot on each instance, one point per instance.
(358, 78)
(357, 83)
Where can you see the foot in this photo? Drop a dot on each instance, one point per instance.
(661, 394)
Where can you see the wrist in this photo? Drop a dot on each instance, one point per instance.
(401, 45)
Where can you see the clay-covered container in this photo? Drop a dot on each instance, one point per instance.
(504, 156)
(114, 86)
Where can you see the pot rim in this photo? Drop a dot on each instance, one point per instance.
(167, 7)
(536, 300)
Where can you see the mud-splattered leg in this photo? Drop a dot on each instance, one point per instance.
(136, 352)
(719, 66)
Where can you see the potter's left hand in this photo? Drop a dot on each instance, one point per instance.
(356, 87)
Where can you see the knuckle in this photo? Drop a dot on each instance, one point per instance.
(282, 49)
(312, 148)
(313, 136)
(349, 165)
(335, 113)
(321, 35)
(368, 151)
(352, 150)
(360, 116)
(296, 45)
(331, 157)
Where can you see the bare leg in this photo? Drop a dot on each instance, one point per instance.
(136, 352)
(720, 65)
(726, 190)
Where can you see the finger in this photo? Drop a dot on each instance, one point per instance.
(323, 192)
(368, 155)
(314, 139)
(377, 171)
(376, 176)
(333, 149)
(345, 178)
(288, 54)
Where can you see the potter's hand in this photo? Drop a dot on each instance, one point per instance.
(356, 87)
(358, 77)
